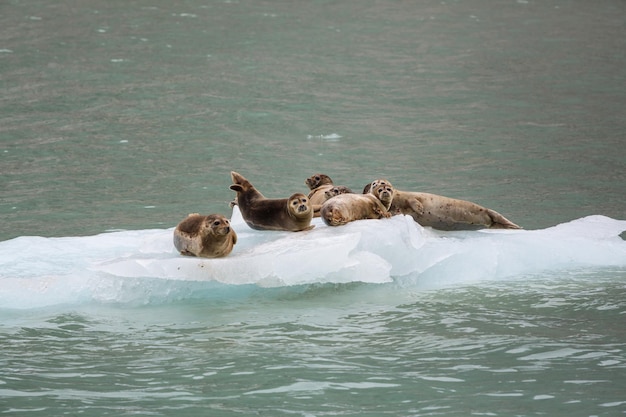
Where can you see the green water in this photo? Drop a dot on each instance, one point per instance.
(108, 109)
(129, 115)
(493, 350)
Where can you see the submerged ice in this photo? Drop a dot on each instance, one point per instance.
(119, 266)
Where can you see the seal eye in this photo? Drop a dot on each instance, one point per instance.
(216, 223)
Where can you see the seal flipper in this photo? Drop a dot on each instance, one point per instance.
(500, 222)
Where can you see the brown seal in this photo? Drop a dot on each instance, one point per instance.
(205, 236)
(344, 208)
(439, 212)
(318, 184)
(292, 214)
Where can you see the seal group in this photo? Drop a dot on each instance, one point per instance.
(211, 236)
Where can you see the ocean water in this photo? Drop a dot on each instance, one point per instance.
(119, 119)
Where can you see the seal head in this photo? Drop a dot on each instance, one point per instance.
(317, 180)
(383, 190)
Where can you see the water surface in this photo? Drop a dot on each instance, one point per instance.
(118, 119)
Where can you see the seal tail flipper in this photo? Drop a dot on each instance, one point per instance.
(332, 217)
(498, 221)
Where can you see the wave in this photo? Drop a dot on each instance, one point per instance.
(143, 266)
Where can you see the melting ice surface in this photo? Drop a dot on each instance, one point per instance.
(136, 266)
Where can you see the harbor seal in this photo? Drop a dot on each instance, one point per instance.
(439, 212)
(384, 191)
(204, 236)
(318, 184)
(344, 208)
(292, 214)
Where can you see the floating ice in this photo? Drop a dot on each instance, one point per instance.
(142, 266)
(331, 137)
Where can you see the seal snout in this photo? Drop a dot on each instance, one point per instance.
(226, 227)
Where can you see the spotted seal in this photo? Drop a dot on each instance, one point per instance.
(438, 212)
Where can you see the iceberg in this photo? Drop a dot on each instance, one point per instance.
(126, 266)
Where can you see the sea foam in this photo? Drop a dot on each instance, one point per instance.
(143, 265)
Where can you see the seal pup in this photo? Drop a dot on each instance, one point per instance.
(204, 236)
(439, 212)
(318, 184)
(344, 208)
(292, 214)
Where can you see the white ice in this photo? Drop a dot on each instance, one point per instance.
(37, 271)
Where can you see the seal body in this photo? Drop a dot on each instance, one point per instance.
(204, 236)
(292, 214)
(445, 213)
(345, 208)
(439, 212)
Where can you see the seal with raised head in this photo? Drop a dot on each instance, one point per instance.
(204, 236)
(439, 212)
(292, 214)
(345, 208)
(318, 184)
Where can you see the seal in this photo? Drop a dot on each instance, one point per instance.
(344, 208)
(439, 212)
(384, 191)
(292, 214)
(318, 184)
(204, 236)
